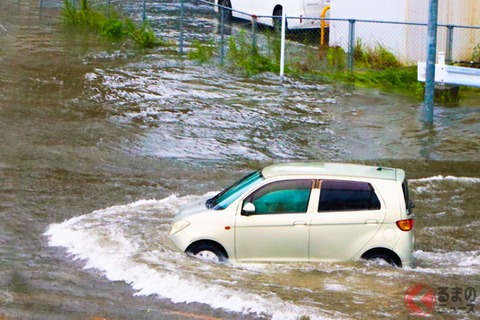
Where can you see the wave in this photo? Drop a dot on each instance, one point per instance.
(108, 240)
(447, 178)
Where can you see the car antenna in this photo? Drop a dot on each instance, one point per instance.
(382, 168)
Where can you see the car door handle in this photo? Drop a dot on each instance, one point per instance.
(371, 221)
(300, 223)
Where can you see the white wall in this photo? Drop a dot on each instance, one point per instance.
(409, 43)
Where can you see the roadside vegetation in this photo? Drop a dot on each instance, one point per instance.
(109, 23)
(373, 67)
(243, 54)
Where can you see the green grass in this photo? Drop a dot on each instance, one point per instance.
(242, 54)
(476, 53)
(245, 55)
(202, 52)
(373, 67)
(108, 23)
(401, 79)
(377, 58)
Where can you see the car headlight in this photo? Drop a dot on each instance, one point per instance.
(179, 226)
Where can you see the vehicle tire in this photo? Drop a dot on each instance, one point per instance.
(385, 257)
(227, 13)
(277, 20)
(207, 251)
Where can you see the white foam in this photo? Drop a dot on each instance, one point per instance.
(448, 178)
(129, 243)
(335, 287)
(453, 262)
(108, 240)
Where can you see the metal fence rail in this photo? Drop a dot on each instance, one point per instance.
(406, 41)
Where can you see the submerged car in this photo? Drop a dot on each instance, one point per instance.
(305, 212)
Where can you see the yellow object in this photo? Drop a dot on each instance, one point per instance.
(323, 24)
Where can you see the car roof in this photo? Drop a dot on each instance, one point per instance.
(333, 169)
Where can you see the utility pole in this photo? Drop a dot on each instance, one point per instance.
(428, 102)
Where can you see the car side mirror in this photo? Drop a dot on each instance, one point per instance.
(248, 209)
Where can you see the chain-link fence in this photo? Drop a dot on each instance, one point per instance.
(206, 31)
(346, 43)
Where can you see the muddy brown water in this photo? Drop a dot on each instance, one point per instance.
(101, 143)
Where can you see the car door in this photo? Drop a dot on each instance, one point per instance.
(347, 217)
(275, 227)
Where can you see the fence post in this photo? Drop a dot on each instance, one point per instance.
(351, 44)
(222, 36)
(448, 51)
(254, 31)
(181, 27)
(282, 46)
(144, 15)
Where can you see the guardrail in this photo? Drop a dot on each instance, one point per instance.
(446, 74)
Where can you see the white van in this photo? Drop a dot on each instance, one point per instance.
(270, 11)
(303, 212)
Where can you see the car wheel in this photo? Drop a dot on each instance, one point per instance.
(207, 251)
(385, 257)
(226, 13)
(277, 21)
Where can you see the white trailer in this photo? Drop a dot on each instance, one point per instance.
(301, 14)
(408, 42)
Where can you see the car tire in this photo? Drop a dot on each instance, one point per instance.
(227, 13)
(277, 21)
(207, 251)
(385, 257)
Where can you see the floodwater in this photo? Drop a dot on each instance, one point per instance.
(102, 143)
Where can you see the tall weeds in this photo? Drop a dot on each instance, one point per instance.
(242, 53)
(202, 51)
(378, 57)
(110, 25)
(476, 54)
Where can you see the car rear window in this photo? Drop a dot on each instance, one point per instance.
(339, 195)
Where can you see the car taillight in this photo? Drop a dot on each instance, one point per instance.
(405, 225)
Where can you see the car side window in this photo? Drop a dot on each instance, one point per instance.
(339, 195)
(288, 196)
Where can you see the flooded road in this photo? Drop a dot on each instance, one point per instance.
(102, 143)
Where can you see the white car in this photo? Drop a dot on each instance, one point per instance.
(303, 212)
(269, 12)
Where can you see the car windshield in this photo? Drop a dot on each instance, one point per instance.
(227, 196)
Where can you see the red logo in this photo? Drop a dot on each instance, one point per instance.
(420, 299)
